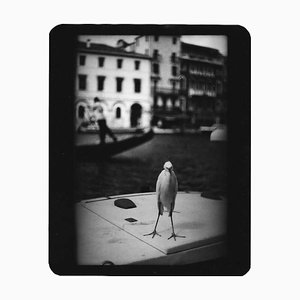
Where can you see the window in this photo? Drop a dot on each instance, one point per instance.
(174, 40)
(156, 38)
(137, 85)
(137, 64)
(100, 82)
(155, 53)
(119, 84)
(82, 82)
(155, 68)
(100, 61)
(174, 71)
(81, 111)
(147, 38)
(119, 63)
(147, 51)
(118, 113)
(173, 57)
(82, 60)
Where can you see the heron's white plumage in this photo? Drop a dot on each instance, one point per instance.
(166, 187)
(166, 190)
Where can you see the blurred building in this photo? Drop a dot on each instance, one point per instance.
(168, 104)
(119, 79)
(203, 73)
(155, 79)
(188, 81)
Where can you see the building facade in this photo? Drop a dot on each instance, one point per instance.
(165, 69)
(119, 79)
(203, 72)
(187, 81)
(156, 80)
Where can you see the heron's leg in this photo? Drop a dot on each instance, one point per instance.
(154, 232)
(173, 233)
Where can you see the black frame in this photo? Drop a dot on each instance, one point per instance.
(62, 256)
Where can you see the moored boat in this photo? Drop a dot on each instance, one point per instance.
(102, 151)
(219, 134)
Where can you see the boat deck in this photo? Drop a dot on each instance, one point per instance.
(104, 234)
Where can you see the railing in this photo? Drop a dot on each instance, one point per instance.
(163, 90)
(202, 93)
(157, 57)
(155, 76)
(174, 59)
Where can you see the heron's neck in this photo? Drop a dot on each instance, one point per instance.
(168, 173)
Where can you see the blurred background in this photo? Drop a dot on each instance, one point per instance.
(174, 85)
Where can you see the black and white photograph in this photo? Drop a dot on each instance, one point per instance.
(149, 150)
(150, 139)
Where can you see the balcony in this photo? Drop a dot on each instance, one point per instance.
(157, 58)
(167, 91)
(155, 77)
(200, 92)
(174, 59)
(175, 78)
(202, 73)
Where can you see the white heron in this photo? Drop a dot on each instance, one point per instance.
(166, 191)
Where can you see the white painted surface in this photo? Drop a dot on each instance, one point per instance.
(104, 234)
(99, 241)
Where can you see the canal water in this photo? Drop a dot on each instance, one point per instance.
(200, 165)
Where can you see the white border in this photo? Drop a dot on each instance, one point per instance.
(25, 26)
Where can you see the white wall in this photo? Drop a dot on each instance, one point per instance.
(113, 99)
(165, 47)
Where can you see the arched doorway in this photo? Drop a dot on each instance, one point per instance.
(118, 113)
(135, 115)
(81, 114)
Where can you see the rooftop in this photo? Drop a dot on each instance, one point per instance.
(109, 50)
(201, 54)
(185, 47)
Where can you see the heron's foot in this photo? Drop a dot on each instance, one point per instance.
(175, 235)
(154, 232)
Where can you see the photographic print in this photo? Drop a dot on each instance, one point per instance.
(144, 153)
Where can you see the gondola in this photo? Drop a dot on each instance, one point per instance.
(102, 151)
